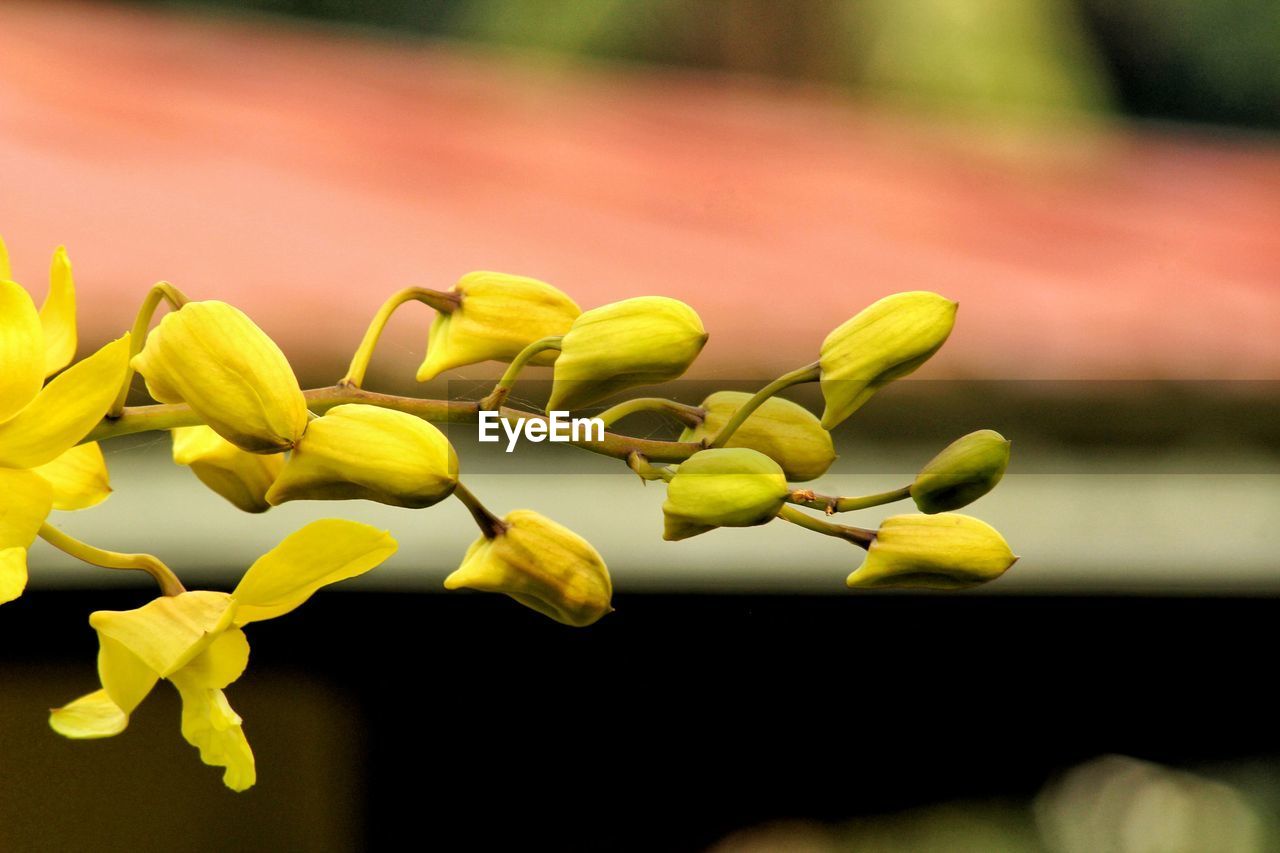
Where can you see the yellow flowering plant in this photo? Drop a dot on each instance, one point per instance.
(239, 419)
(194, 640)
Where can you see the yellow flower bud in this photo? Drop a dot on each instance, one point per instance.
(212, 357)
(241, 477)
(498, 317)
(945, 551)
(638, 341)
(542, 565)
(725, 487)
(885, 341)
(964, 471)
(787, 433)
(360, 452)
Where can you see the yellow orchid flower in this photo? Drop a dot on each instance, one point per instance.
(195, 640)
(214, 358)
(41, 466)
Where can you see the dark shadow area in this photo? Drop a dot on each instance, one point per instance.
(477, 725)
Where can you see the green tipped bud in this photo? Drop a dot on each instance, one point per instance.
(966, 470)
(885, 341)
(787, 433)
(947, 551)
(241, 477)
(638, 341)
(541, 564)
(360, 452)
(725, 487)
(499, 316)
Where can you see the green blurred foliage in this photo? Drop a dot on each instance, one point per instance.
(1190, 60)
(1206, 60)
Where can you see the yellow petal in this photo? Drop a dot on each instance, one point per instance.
(58, 315)
(78, 477)
(21, 350)
(319, 554)
(13, 573)
(90, 716)
(25, 501)
(125, 678)
(210, 725)
(222, 663)
(241, 477)
(167, 633)
(362, 452)
(5, 272)
(66, 409)
(213, 357)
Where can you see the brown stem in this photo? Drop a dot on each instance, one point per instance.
(831, 504)
(170, 416)
(490, 525)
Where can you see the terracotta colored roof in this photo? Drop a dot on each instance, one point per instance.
(306, 175)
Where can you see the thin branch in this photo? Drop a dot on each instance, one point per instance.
(163, 575)
(135, 419)
(831, 505)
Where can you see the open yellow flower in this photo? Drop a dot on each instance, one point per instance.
(41, 468)
(195, 641)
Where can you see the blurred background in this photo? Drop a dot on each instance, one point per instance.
(1097, 183)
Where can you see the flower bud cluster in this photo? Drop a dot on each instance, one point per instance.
(242, 423)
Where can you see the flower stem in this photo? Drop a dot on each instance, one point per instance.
(808, 373)
(832, 505)
(444, 302)
(500, 391)
(163, 575)
(163, 291)
(857, 535)
(167, 416)
(690, 416)
(490, 525)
